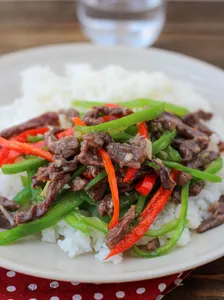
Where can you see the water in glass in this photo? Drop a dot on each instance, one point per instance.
(136, 23)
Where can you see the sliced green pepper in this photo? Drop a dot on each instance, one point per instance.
(196, 173)
(163, 142)
(169, 154)
(27, 164)
(69, 202)
(177, 233)
(92, 222)
(133, 119)
(23, 197)
(35, 139)
(166, 228)
(96, 180)
(73, 221)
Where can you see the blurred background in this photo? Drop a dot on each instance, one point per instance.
(192, 27)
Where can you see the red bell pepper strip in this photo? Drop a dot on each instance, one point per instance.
(67, 132)
(145, 186)
(111, 105)
(107, 118)
(113, 186)
(22, 137)
(26, 148)
(143, 129)
(78, 122)
(130, 174)
(148, 216)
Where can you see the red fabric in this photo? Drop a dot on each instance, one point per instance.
(15, 286)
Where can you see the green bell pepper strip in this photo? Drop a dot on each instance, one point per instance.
(132, 130)
(86, 197)
(163, 142)
(133, 119)
(92, 222)
(27, 164)
(73, 221)
(69, 202)
(79, 171)
(23, 180)
(177, 233)
(169, 154)
(140, 204)
(121, 136)
(35, 139)
(23, 196)
(35, 193)
(166, 228)
(196, 173)
(95, 180)
(137, 103)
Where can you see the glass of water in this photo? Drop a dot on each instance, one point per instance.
(135, 23)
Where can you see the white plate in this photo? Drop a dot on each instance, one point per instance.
(47, 260)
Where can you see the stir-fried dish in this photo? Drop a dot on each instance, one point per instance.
(114, 168)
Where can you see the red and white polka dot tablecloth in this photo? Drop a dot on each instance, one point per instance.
(16, 286)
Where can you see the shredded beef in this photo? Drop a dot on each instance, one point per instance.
(195, 188)
(221, 146)
(151, 245)
(35, 182)
(128, 155)
(118, 232)
(65, 147)
(176, 195)
(164, 174)
(190, 148)
(89, 146)
(203, 159)
(183, 178)
(92, 171)
(78, 183)
(105, 206)
(195, 117)
(69, 113)
(8, 204)
(217, 218)
(92, 117)
(40, 209)
(165, 121)
(98, 191)
(50, 118)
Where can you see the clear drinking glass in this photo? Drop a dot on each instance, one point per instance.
(135, 23)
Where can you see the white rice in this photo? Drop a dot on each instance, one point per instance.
(42, 90)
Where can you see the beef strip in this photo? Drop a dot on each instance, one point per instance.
(128, 155)
(35, 182)
(217, 218)
(50, 118)
(194, 189)
(40, 209)
(92, 117)
(151, 245)
(98, 191)
(8, 204)
(119, 231)
(190, 148)
(4, 222)
(203, 159)
(167, 121)
(89, 146)
(195, 117)
(183, 178)
(221, 146)
(164, 174)
(203, 128)
(69, 113)
(78, 184)
(105, 206)
(92, 171)
(65, 147)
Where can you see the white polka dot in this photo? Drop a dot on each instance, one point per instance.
(98, 296)
(159, 297)
(77, 297)
(180, 275)
(54, 284)
(178, 281)
(54, 298)
(11, 288)
(33, 299)
(140, 291)
(162, 287)
(120, 295)
(75, 283)
(11, 274)
(32, 287)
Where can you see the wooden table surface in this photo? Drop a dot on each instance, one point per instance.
(195, 28)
